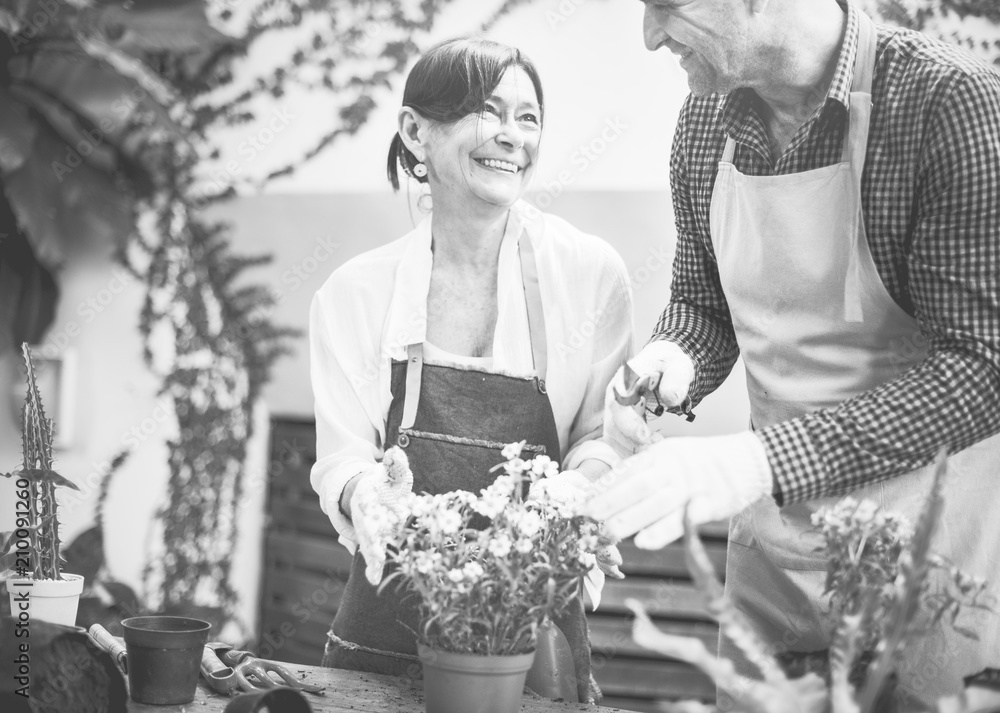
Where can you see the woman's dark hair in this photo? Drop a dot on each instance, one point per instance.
(452, 80)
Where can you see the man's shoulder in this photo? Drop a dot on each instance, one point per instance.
(925, 62)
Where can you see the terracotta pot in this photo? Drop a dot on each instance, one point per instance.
(467, 683)
(51, 600)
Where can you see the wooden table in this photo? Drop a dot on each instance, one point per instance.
(353, 692)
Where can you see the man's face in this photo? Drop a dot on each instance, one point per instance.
(710, 36)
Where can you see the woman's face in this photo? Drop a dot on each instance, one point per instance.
(489, 156)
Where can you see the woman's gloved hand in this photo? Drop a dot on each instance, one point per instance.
(671, 370)
(378, 506)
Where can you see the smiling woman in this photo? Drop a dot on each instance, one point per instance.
(476, 95)
(460, 337)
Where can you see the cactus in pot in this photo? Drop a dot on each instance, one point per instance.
(30, 557)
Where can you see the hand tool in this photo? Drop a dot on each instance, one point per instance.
(252, 673)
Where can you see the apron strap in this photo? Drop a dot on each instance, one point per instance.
(729, 151)
(414, 372)
(859, 111)
(855, 152)
(864, 62)
(536, 315)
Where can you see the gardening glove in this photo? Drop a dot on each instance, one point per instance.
(672, 371)
(379, 506)
(714, 477)
(606, 564)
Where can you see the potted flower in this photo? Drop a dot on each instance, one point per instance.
(489, 569)
(30, 558)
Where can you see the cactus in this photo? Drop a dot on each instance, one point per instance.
(43, 545)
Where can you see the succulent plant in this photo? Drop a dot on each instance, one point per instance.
(33, 549)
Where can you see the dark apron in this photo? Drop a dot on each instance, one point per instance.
(453, 423)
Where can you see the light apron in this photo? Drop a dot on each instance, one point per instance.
(816, 327)
(453, 422)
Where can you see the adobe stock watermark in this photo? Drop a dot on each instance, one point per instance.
(249, 148)
(33, 25)
(292, 279)
(88, 310)
(563, 12)
(581, 160)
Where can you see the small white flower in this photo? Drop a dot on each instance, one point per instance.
(528, 524)
(448, 521)
(495, 498)
(503, 486)
(456, 575)
(473, 571)
(425, 561)
(539, 464)
(865, 512)
(512, 450)
(515, 467)
(500, 547)
(524, 546)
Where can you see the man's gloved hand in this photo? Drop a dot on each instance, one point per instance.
(672, 370)
(378, 506)
(714, 477)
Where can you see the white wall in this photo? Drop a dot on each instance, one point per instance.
(593, 67)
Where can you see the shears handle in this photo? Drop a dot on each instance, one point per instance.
(644, 386)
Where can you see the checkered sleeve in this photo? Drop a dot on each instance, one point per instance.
(697, 317)
(952, 398)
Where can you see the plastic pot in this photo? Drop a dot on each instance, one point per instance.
(467, 683)
(51, 600)
(164, 656)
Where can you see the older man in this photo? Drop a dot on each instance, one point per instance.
(837, 196)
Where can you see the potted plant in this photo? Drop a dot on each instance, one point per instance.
(882, 597)
(489, 570)
(30, 557)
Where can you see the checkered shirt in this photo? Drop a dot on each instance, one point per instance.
(931, 204)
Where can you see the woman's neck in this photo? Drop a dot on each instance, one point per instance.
(467, 240)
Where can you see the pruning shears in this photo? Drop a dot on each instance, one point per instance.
(641, 388)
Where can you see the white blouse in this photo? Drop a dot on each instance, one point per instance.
(374, 305)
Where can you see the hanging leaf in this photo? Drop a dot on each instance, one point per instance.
(28, 291)
(85, 555)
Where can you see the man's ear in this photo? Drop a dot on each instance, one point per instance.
(413, 129)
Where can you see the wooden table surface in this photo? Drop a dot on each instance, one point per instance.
(353, 692)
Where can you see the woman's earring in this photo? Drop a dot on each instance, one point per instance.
(419, 170)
